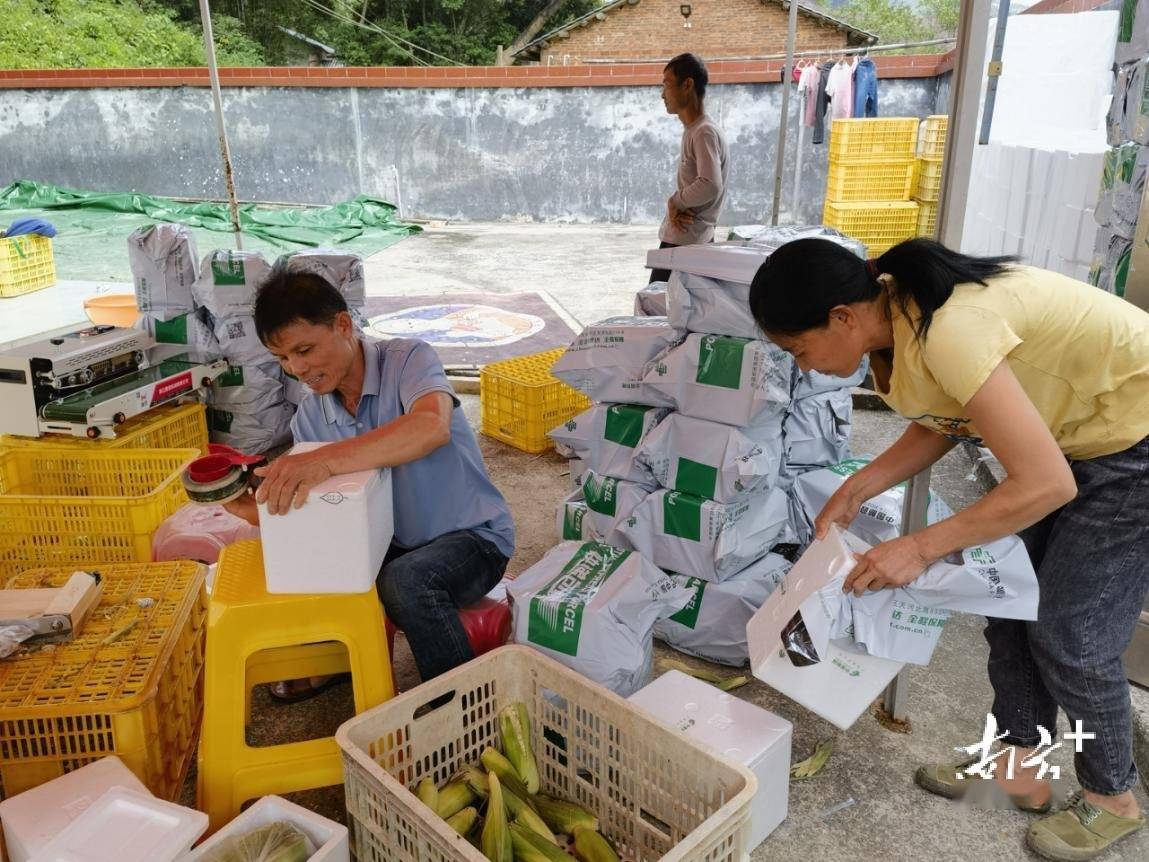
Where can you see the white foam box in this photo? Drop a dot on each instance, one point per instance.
(126, 826)
(30, 819)
(733, 728)
(336, 541)
(330, 838)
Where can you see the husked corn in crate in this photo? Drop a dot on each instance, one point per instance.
(657, 793)
(179, 426)
(877, 139)
(129, 685)
(932, 137)
(871, 181)
(878, 224)
(521, 400)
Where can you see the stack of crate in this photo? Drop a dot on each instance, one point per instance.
(931, 151)
(871, 179)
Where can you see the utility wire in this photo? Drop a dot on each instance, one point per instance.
(398, 41)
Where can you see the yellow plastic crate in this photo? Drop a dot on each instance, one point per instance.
(929, 184)
(169, 426)
(932, 138)
(521, 401)
(927, 218)
(138, 695)
(66, 505)
(878, 224)
(871, 181)
(26, 264)
(879, 139)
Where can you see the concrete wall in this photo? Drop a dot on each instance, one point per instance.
(544, 153)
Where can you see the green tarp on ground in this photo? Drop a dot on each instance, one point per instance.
(94, 226)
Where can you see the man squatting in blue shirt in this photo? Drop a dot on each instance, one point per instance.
(386, 404)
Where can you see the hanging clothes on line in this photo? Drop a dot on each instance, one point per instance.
(808, 93)
(840, 89)
(865, 88)
(821, 102)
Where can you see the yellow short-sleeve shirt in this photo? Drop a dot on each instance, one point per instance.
(1080, 354)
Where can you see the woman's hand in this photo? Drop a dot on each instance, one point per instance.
(288, 480)
(890, 564)
(840, 509)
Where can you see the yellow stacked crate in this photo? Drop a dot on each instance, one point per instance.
(871, 180)
(927, 186)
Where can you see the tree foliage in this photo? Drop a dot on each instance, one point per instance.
(895, 21)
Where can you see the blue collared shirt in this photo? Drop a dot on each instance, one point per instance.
(443, 492)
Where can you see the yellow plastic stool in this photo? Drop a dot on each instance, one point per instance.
(254, 637)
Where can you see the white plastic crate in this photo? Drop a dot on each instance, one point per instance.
(329, 837)
(657, 794)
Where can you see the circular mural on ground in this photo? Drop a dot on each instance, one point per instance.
(457, 325)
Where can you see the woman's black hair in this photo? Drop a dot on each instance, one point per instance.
(690, 66)
(796, 287)
(287, 297)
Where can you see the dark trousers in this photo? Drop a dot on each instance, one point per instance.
(423, 588)
(661, 274)
(1092, 563)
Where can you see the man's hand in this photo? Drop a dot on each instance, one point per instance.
(679, 219)
(288, 479)
(244, 507)
(890, 564)
(840, 509)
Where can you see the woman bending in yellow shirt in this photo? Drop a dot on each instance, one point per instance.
(1052, 375)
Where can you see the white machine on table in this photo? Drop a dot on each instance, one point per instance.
(86, 382)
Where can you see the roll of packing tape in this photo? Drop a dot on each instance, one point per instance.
(220, 476)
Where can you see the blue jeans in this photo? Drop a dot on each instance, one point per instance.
(423, 588)
(1092, 563)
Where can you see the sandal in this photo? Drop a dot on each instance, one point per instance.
(1080, 831)
(942, 779)
(298, 690)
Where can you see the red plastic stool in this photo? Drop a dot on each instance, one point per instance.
(487, 624)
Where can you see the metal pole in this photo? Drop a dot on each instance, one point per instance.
(798, 155)
(914, 503)
(786, 73)
(965, 94)
(217, 100)
(994, 71)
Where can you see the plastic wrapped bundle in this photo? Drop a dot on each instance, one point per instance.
(163, 259)
(247, 389)
(609, 503)
(606, 437)
(817, 431)
(608, 359)
(712, 624)
(737, 381)
(228, 281)
(593, 608)
(704, 539)
(343, 270)
(770, 239)
(280, 841)
(712, 460)
(238, 340)
(651, 300)
(191, 329)
(254, 433)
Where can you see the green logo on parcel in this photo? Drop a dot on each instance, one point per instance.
(601, 494)
(688, 616)
(226, 269)
(624, 424)
(696, 478)
(555, 620)
(572, 522)
(720, 361)
(682, 516)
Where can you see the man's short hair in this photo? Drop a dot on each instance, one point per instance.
(690, 66)
(287, 297)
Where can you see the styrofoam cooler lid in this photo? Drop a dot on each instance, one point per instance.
(126, 826)
(731, 726)
(346, 484)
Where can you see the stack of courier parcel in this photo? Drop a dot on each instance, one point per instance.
(684, 458)
(209, 308)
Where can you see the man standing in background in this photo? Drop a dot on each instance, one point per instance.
(703, 166)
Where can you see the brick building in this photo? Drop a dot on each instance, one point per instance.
(636, 30)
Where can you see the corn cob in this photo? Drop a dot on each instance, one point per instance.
(476, 779)
(563, 817)
(428, 794)
(496, 837)
(516, 729)
(463, 819)
(454, 797)
(589, 846)
(496, 763)
(522, 813)
(531, 847)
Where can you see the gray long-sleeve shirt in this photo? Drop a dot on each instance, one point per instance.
(702, 173)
